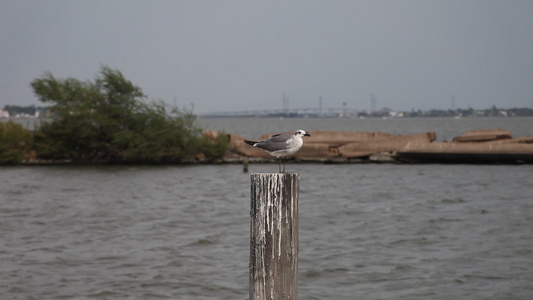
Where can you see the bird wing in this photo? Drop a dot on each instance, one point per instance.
(251, 143)
(277, 142)
(279, 138)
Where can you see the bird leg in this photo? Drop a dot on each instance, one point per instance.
(279, 161)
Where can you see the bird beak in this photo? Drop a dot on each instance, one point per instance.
(307, 134)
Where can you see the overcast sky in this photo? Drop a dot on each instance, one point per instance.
(244, 55)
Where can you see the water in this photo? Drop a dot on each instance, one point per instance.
(446, 128)
(367, 231)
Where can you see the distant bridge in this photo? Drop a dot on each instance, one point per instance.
(310, 112)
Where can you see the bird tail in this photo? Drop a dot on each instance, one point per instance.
(251, 143)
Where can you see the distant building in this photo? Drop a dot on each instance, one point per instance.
(396, 114)
(4, 114)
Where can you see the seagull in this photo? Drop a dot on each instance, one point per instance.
(281, 145)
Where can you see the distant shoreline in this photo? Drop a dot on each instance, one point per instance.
(427, 152)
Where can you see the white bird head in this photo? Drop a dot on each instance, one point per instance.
(301, 133)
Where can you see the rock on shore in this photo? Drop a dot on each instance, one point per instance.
(476, 146)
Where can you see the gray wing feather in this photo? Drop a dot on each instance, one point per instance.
(275, 143)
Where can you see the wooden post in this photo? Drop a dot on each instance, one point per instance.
(245, 163)
(274, 236)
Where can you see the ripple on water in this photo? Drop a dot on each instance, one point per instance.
(366, 231)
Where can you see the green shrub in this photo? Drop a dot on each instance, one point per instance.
(15, 142)
(214, 148)
(109, 120)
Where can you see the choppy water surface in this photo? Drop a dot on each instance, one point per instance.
(445, 128)
(366, 232)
